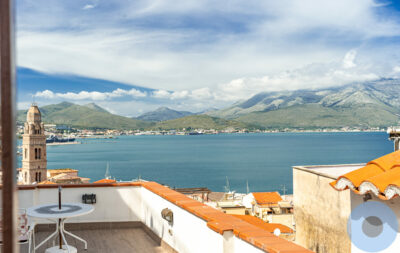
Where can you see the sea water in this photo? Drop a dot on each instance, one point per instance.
(263, 160)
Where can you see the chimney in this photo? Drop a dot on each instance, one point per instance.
(394, 135)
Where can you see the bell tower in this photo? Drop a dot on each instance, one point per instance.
(34, 157)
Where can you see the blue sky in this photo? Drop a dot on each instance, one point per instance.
(134, 56)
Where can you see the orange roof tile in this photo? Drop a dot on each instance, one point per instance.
(267, 198)
(270, 227)
(62, 170)
(105, 180)
(255, 234)
(47, 182)
(380, 176)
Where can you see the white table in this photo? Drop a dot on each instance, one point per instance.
(51, 212)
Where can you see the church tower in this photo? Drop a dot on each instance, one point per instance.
(34, 159)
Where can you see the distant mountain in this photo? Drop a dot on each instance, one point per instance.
(163, 113)
(85, 116)
(95, 107)
(201, 122)
(368, 104)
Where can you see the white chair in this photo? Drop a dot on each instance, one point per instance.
(25, 230)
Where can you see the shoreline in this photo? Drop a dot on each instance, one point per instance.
(63, 143)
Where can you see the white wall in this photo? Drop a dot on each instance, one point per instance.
(188, 234)
(113, 203)
(241, 246)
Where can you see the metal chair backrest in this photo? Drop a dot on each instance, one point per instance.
(22, 226)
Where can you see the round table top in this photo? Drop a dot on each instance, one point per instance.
(51, 211)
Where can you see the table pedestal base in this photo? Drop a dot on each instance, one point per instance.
(56, 249)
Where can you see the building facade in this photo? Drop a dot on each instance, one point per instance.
(34, 157)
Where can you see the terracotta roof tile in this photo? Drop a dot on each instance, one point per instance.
(46, 182)
(256, 234)
(62, 170)
(267, 198)
(105, 181)
(270, 227)
(380, 177)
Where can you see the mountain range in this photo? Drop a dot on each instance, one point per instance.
(84, 116)
(94, 116)
(162, 114)
(369, 104)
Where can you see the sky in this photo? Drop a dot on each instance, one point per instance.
(131, 57)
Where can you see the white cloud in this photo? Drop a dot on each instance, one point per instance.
(92, 95)
(200, 54)
(312, 76)
(348, 60)
(161, 94)
(88, 6)
(252, 38)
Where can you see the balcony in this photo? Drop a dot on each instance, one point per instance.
(107, 237)
(127, 218)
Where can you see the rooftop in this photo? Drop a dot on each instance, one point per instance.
(330, 171)
(141, 203)
(105, 180)
(47, 182)
(103, 240)
(64, 176)
(267, 198)
(380, 177)
(62, 170)
(270, 227)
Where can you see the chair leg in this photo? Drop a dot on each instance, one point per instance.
(34, 243)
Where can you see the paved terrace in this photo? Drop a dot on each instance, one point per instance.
(196, 227)
(104, 239)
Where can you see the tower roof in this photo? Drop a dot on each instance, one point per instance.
(33, 115)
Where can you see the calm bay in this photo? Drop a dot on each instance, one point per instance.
(263, 160)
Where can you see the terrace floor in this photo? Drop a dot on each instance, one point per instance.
(108, 240)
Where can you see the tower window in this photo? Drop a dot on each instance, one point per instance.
(40, 177)
(25, 152)
(36, 153)
(40, 155)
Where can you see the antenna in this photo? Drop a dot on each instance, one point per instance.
(108, 174)
(284, 189)
(33, 101)
(227, 186)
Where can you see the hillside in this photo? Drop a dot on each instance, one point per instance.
(163, 113)
(200, 122)
(85, 116)
(367, 104)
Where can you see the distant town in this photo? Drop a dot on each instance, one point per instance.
(64, 131)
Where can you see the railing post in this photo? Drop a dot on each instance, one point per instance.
(7, 81)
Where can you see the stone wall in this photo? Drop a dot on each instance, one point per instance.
(320, 213)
